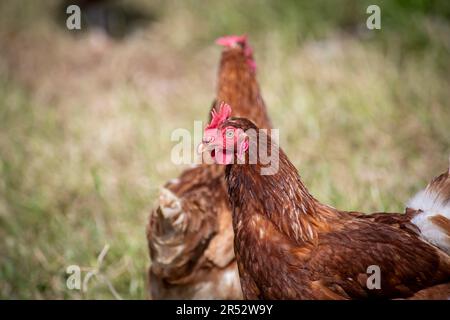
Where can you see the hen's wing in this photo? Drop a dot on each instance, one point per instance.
(407, 264)
(338, 264)
(395, 220)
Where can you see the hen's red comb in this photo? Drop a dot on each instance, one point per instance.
(232, 40)
(219, 117)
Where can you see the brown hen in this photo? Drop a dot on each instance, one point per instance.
(288, 245)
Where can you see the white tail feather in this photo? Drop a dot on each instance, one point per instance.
(432, 205)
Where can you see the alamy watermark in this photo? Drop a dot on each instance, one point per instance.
(374, 20)
(73, 21)
(374, 280)
(79, 278)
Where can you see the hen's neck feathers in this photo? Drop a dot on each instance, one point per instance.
(238, 87)
(282, 198)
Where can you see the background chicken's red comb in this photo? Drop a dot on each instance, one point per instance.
(231, 40)
(219, 117)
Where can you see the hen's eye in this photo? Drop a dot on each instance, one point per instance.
(229, 133)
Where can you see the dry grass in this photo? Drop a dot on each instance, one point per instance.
(85, 127)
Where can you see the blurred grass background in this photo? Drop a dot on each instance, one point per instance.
(86, 117)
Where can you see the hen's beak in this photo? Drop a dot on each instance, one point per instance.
(202, 147)
(206, 146)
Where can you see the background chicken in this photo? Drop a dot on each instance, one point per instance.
(189, 235)
(290, 246)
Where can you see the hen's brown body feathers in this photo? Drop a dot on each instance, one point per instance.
(237, 86)
(190, 235)
(191, 250)
(290, 246)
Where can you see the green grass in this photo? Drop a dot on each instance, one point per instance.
(85, 121)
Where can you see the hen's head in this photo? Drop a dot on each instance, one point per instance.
(234, 42)
(224, 139)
